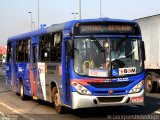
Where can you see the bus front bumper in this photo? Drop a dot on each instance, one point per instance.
(86, 101)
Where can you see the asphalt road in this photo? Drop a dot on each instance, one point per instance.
(13, 108)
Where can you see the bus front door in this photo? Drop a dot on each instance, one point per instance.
(13, 67)
(66, 74)
(34, 70)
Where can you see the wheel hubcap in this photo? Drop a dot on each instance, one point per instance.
(21, 90)
(57, 101)
(149, 83)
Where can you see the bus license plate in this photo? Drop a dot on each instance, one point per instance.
(137, 99)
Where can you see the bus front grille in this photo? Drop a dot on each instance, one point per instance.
(109, 99)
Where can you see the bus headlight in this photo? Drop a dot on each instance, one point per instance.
(81, 89)
(137, 88)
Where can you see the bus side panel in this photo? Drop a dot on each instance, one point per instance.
(17, 79)
(23, 74)
(48, 73)
(52, 75)
(41, 88)
(8, 75)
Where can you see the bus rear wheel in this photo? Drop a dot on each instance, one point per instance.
(22, 91)
(57, 101)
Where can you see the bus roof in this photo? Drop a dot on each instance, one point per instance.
(67, 25)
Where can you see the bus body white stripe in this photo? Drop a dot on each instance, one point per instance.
(41, 69)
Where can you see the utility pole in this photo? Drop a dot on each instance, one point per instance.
(74, 14)
(79, 9)
(33, 25)
(38, 14)
(31, 19)
(100, 9)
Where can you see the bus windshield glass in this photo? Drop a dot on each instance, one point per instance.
(107, 57)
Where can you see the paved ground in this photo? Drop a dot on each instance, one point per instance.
(11, 106)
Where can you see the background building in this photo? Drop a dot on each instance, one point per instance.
(3, 50)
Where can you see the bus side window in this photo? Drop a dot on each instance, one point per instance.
(26, 50)
(44, 48)
(19, 55)
(57, 47)
(9, 52)
(50, 47)
(23, 51)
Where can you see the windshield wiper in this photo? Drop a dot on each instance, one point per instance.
(117, 63)
(97, 43)
(121, 47)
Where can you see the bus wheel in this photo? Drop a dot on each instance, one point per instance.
(22, 91)
(57, 101)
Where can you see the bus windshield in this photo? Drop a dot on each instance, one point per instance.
(107, 57)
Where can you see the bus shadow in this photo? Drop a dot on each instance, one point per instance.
(151, 105)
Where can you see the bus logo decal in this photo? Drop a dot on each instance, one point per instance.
(125, 71)
(20, 69)
(110, 92)
(7, 68)
(115, 72)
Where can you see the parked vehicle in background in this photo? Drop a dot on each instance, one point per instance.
(79, 64)
(150, 27)
(3, 51)
(3, 59)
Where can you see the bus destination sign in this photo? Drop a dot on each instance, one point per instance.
(84, 29)
(105, 28)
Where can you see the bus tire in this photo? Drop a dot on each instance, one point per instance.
(56, 100)
(150, 85)
(17, 93)
(22, 91)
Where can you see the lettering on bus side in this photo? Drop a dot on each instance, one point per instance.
(51, 67)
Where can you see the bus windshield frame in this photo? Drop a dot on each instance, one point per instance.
(118, 63)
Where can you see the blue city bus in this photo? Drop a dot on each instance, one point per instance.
(79, 64)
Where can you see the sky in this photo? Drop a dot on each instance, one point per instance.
(15, 19)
